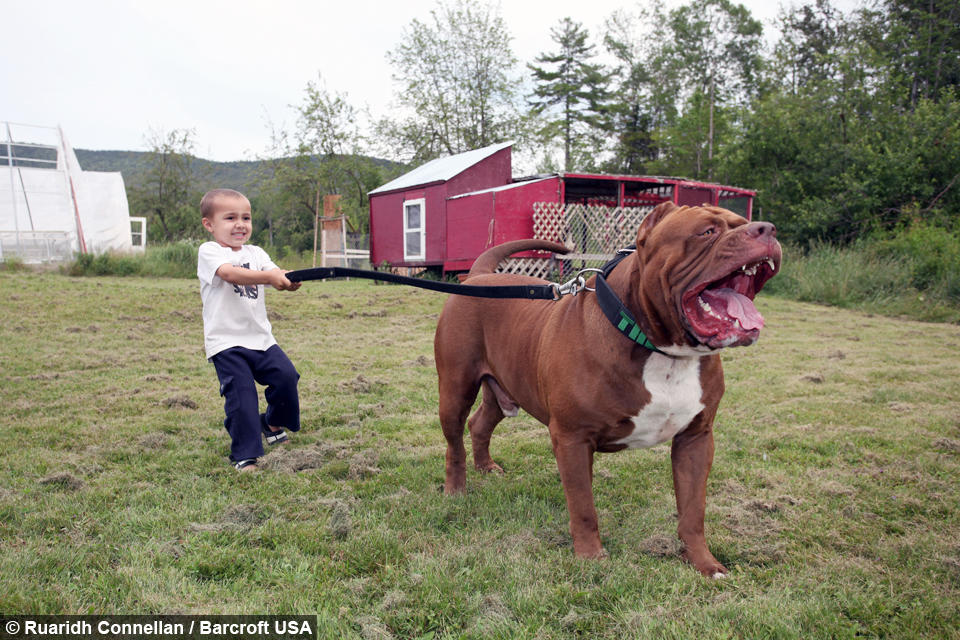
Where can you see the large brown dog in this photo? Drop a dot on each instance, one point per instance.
(689, 284)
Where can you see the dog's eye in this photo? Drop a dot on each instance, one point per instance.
(707, 232)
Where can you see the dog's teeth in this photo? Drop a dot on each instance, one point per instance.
(770, 262)
(708, 309)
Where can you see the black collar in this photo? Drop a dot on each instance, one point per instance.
(612, 307)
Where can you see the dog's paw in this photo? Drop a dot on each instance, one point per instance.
(705, 563)
(491, 467)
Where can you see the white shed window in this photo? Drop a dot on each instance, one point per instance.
(414, 227)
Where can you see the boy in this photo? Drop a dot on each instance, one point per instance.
(237, 335)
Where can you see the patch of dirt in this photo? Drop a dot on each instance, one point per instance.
(173, 549)
(420, 361)
(732, 487)
(360, 384)
(152, 441)
(367, 410)
(752, 520)
(293, 460)
(180, 402)
(340, 524)
(393, 599)
(400, 494)
(63, 480)
(236, 518)
(900, 407)
(363, 465)
(762, 507)
(661, 546)
(373, 629)
(834, 488)
(814, 378)
(494, 618)
(244, 514)
(44, 376)
(157, 377)
(946, 444)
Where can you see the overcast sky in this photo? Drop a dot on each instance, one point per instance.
(110, 71)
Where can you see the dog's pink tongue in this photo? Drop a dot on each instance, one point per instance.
(740, 307)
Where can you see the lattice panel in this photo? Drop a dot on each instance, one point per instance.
(536, 267)
(588, 229)
(594, 234)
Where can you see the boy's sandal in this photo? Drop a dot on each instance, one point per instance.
(243, 464)
(274, 437)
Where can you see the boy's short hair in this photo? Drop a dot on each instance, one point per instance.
(210, 197)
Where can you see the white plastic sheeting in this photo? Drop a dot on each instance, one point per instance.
(50, 209)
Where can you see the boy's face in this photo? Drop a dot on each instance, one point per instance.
(230, 222)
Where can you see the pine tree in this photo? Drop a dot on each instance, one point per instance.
(570, 93)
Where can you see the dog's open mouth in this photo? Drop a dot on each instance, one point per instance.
(721, 313)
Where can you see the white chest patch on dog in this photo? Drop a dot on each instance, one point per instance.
(675, 392)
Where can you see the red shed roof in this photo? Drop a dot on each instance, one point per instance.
(441, 169)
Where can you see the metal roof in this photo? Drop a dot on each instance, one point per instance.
(441, 169)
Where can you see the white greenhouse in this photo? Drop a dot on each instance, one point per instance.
(52, 210)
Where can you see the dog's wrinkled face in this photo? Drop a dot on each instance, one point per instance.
(715, 262)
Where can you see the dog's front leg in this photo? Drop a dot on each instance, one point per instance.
(692, 456)
(575, 462)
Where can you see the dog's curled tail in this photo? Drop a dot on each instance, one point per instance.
(489, 260)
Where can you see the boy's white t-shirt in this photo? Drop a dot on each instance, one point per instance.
(233, 315)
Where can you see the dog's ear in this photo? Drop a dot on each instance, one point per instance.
(652, 219)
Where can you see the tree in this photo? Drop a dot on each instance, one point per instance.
(713, 50)
(167, 194)
(921, 45)
(321, 156)
(570, 94)
(457, 90)
(644, 100)
(809, 49)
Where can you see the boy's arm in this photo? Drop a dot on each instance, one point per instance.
(243, 276)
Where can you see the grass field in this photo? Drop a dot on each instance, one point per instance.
(834, 497)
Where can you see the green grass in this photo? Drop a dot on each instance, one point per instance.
(833, 499)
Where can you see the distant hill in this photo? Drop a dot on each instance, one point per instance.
(241, 175)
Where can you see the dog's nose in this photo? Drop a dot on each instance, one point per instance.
(760, 230)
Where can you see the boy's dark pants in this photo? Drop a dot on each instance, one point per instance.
(238, 370)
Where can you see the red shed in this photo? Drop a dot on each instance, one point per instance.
(446, 212)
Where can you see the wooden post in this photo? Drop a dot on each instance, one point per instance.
(316, 224)
(331, 205)
(343, 239)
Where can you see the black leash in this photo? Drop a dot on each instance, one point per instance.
(615, 311)
(529, 292)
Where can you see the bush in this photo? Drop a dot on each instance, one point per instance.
(914, 273)
(933, 255)
(13, 264)
(177, 260)
(105, 264)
